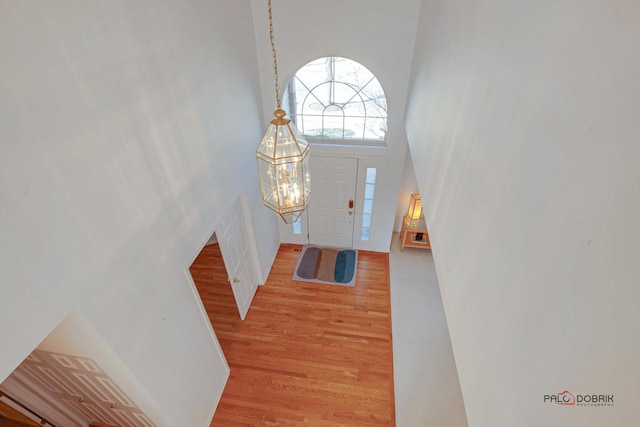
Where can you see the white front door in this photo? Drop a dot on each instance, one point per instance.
(331, 210)
(233, 239)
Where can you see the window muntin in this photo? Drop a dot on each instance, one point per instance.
(335, 99)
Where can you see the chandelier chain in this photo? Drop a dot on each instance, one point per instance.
(273, 54)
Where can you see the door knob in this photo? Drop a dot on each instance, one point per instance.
(236, 280)
(350, 213)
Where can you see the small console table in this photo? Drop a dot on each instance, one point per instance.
(412, 228)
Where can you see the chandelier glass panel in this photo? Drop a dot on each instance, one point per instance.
(283, 163)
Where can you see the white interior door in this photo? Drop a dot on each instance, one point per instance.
(331, 209)
(233, 239)
(79, 387)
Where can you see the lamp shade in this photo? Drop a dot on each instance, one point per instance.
(283, 164)
(415, 207)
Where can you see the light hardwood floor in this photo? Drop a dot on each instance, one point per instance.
(307, 354)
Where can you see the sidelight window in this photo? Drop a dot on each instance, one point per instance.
(367, 208)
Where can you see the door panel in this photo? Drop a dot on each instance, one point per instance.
(233, 238)
(81, 388)
(333, 186)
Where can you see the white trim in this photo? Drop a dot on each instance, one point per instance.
(24, 411)
(359, 143)
(205, 316)
(251, 235)
(374, 235)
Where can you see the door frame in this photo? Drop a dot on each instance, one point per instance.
(240, 199)
(367, 158)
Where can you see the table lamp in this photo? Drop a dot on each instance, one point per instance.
(415, 211)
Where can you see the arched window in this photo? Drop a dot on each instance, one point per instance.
(336, 99)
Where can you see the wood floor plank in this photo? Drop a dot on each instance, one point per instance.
(307, 354)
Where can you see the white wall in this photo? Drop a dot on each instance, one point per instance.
(127, 128)
(376, 33)
(524, 117)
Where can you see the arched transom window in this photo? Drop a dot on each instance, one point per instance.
(336, 99)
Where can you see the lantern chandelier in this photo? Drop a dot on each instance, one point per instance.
(283, 159)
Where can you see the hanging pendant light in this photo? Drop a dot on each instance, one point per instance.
(283, 159)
